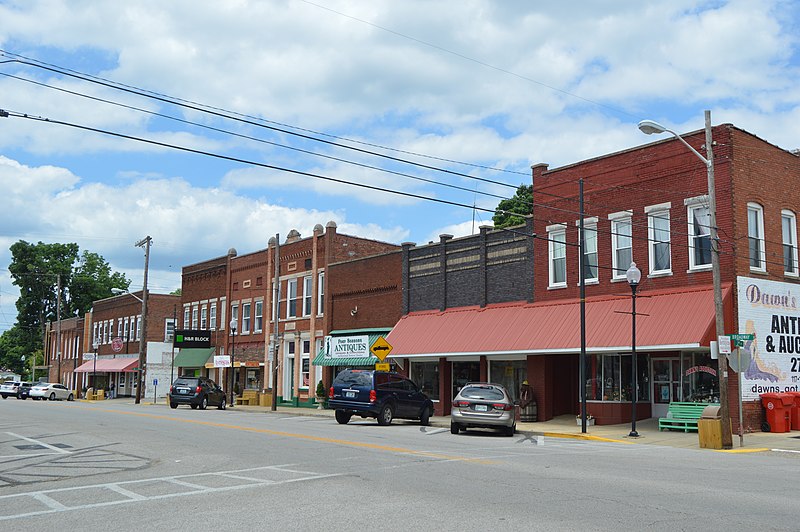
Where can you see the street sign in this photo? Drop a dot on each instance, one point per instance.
(740, 361)
(382, 366)
(155, 382)
(740, 339)
(381, 348)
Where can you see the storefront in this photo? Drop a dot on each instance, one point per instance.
(116, 375)
(192, 361)
(349, 349)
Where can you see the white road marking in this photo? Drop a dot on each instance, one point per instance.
(37, 442)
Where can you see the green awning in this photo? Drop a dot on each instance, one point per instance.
(322, 358)
(193, 357)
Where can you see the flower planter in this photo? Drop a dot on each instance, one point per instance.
(589, 421)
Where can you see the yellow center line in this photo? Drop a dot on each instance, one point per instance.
(373, 446)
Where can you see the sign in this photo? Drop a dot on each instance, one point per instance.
(189, 339)
(222, 361)
(155, 382)
(116, 344)
(348, 346)
(251, 363)
(740, 339)
(382, 366)
(381, 348)
(724, 343)
(86, 356)
(769, 313)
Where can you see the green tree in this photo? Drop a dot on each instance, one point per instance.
(92, 280)
(520, 204)
(12, 350)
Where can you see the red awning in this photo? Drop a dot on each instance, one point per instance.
(108, 365)
(665, 321)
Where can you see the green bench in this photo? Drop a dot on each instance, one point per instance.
(682, 416)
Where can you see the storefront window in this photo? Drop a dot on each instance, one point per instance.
(464, 372)
(509, 374)
(252, 382)
(700, 378)
(426, 376)
(608, 377)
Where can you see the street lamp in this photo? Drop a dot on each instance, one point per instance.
(233, 325)
(95, 345)
(650, 127)
(633, 275)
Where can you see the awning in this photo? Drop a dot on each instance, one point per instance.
(193, 357)
(109, 365)
(665, 321)
(324, 359)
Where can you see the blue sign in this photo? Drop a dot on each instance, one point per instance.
(155, 382)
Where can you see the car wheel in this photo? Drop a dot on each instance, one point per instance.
(342, 417)
(204, 403)
(194, 407)
(52, 396)
(511, 430)
(19, 396)
(425, 418)
(222, 404)
(70, 397)
(386, 415)
(5, 397)
(454, 428)
(173, 405)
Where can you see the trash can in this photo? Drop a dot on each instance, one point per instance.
(709, 428)
(778, 407)
(794, 413)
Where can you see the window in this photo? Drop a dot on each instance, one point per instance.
(245, 318)
(590, 249)
(291, 298)
(194, 317)
(119, 326)
(235, 315)
(186, 317)
(138, 327)
(789, 229)
(320, 293)
(126, 330)
(212, 315)
(608, 377)
(699, 232)
(259, 316)
(557, 246)
(169, 330)
(222, 307)
(622, 252)
(426, 375)
(307, 296)
(305, 364)
(658, 239)
(204, 317)
(755, 236)
(132, 330)
(105, 332)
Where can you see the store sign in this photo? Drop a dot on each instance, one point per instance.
(222, 361)
(189, 339)
(770, 311)
(348, 346)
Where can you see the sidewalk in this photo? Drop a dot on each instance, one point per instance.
(566, 427)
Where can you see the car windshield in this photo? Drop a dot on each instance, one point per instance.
(354, 378)
(486, 393)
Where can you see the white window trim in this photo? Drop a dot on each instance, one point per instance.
(244, 326)
(553, 232)
(786, 213)
(762, 253)
(290, 297)
(307, 297)
(589, 224)
(258, 316)
(617, 272)
(320, 293)
(658, 211)
(691, 205)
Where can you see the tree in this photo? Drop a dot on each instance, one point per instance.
(521, 203)
(92, 280)
(12, 350)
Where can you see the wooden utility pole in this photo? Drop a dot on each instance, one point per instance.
(145, 242)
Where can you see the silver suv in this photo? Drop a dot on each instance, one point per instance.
(18, 389)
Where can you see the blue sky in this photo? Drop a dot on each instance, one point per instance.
(477, 88)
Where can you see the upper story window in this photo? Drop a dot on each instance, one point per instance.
(139, 327)
(245, 318)
(320, 293)
(186, 311)
(235, 315)
(126, 329)
(204, 317)
(557, 251)
(699, 232)
(259, 317)
(755, 237)
(105, 332)
(222, 308)
(212, 315)
(291, 298)
(119, 327)
(590, 271)
(789, 230)
(621, 244)
(658, 238)
(195, 311)
(169, 329)
(307, 295)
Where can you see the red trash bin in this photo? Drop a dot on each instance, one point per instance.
(778, 407)
(794, 414)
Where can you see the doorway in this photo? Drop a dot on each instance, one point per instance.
(666, 384)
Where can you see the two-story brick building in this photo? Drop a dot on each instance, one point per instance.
(647, 205)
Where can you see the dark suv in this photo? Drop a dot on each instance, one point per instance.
(197, 392)
(379, 394)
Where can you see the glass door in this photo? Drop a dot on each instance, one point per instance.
(666, 384)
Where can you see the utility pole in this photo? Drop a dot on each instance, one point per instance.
(145, 242)
(58, 325)
(276, 296)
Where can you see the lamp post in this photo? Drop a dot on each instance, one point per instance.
(95, 345)
(633, 275)
(233, 326)
(650, 127)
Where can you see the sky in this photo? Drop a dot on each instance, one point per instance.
(217, 125)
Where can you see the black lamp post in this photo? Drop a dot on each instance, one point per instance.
(233, 325)
(633, 275)
(94, 366)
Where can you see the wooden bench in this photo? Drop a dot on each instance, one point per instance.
(249, 397)
(682, 416)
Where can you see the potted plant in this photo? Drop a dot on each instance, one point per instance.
(589, 419)
(321, 395)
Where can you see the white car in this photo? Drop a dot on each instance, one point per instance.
(52, 391)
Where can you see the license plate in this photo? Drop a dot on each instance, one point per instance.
(349, 394)
(183, 390)
(481, 408)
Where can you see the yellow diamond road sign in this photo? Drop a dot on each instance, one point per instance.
(381, 348)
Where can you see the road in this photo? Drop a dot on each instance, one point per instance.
(121, 466)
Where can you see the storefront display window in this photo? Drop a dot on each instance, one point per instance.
(252, 382)
(509, 374)
(426, 376)
(608, 378)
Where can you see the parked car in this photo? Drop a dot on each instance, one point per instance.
(378, 394)
(18, 389)
(484, 405)
(52, 391)
(197, 392)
